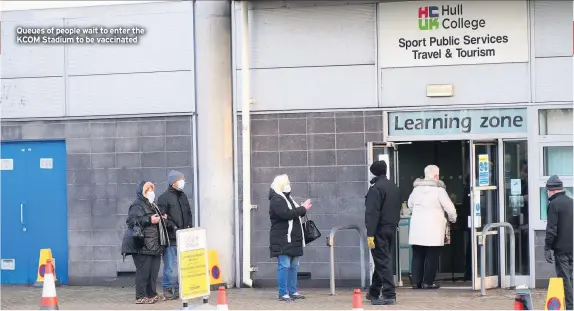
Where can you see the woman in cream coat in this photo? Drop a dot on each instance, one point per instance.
(431, 206)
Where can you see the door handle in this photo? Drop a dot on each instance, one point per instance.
(22, 213)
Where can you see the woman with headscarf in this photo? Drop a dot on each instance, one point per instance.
(144, 216)
(286, 237)
(429, 203)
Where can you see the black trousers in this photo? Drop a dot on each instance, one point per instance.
(383, 259)
(563, 266)
(147, 269)
(425, 264)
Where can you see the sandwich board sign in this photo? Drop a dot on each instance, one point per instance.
(192, 263)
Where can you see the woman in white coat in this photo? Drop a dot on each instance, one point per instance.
(431, 206)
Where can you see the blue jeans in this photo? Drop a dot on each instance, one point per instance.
(287, 268)
(170, 277)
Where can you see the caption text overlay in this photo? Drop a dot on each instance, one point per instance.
(79, 35)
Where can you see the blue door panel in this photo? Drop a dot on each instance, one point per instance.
(42, 202)
(14, 240)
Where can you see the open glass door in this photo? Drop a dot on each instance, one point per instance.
(387, 152)
(485, 210)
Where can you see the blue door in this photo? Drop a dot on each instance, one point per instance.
(34, 209)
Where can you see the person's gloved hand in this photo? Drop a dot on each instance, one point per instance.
(371, 242)
(548, 256)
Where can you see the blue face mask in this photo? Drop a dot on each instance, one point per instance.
(150, 196)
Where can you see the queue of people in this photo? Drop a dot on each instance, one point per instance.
(150, 235)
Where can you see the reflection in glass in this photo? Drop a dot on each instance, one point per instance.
(555, 121)
(544, 200)
(516, 202)
(558, 161)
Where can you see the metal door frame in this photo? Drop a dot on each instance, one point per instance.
(504, 278)
(474, 232)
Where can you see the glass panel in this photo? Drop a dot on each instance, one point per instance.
(489, 211)
(555, 122)
(516, 202)
(558, 160)
(488, 152)
(385, 154)
(544, 200)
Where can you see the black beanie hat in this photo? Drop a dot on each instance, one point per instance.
(378, 168)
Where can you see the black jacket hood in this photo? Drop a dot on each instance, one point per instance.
(139, 190)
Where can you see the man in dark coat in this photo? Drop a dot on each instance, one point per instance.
(146, 251)
(382, 216)
(559, 234)
(174, 204)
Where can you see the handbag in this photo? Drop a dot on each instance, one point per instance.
(138, 234)
(447, 230)
(310, 230)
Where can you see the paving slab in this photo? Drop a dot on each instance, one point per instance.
(114, 298)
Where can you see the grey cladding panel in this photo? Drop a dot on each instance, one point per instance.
(473, 84)
(553, 28)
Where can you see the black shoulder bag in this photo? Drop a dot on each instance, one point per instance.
(310, 230)
(138, 234)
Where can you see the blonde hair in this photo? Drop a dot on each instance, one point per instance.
(431, 171)
(280, 182)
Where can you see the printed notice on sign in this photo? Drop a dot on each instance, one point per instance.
(431, 33)
(192, 263)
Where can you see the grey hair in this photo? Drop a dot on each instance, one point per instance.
(431, 171)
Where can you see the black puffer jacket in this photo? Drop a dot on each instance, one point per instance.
(140, 213)
(286, 234)
(175, 204)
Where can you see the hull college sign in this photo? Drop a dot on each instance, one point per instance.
(426, 33)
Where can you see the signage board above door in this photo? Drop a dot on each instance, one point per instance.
(435, 33)
(452, 122)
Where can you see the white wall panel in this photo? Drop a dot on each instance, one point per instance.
(30, 60)
(473, 84)
(310, 36)
(160, 92)
(554, 79)
(312, 88)
(32, 97)
(167, 45)
(553, 28)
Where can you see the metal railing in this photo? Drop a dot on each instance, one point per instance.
(482, 243)
(331, 244)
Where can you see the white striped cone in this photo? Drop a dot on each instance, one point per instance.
(49, 299)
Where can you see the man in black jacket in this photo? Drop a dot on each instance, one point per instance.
(382, 215)
(173, 203)
(559, 234)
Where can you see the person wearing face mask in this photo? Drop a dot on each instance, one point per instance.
(559, 234)
(146, 254)
(175, 207)
(286, 237)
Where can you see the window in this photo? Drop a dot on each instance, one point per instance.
(544, 200)
(555, 121)
(558, 160)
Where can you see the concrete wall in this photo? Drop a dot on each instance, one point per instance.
(324, 155)
(154, 76)
(106, 161)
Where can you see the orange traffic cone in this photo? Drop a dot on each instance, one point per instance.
(49, 299)
(357, 300)
(221, 299)
(518, 303)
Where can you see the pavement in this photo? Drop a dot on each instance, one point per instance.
(114, 298)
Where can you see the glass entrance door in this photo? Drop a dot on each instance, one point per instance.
(387, 152)
(485, 210)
